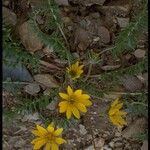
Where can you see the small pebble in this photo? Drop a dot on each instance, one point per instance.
(106, 147)
(139, 53)
(118, 144)
(111, 144)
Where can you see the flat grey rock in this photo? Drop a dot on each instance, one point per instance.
(16, 73)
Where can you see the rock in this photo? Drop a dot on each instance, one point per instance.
(53, 105)
(31, 117)
(135, 128)
(13, 140)
(20, 143)
(93, 2)
(111, 144)
(82, 129)
(123, 22)
(110, 67)
(46, 80)
(47, 92)
(17, 73)
(39, 19)
(131, 83)
(118, 144)
(9, 17)
(76, 55)
(90, 148)
(32, 88)
(145, 145)
(82, 38)
(99, 142)
(104, 35)
(117, 139)
(95, 15)
(111, 96)
(36, 3)
(88, 138)
(5, 145)
(106, 147)
(145, 77)
(29, 38)
(62, 2)
(118, 134)
(66, 20)
(128, 56)
(48, 50)
(6, 3)
(139, 53)
(127, 146)
(116, 10)
(118, 148)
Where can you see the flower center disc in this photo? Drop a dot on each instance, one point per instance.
(50, 137)
(73, 73)
(71, 100)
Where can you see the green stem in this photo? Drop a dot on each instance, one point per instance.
(139, 103)
(124, 93)
(89, 71)
(60, 29)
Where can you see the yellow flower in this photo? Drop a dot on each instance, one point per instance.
(115, 114)
(49, 138)
(73, 102)
(75, 70)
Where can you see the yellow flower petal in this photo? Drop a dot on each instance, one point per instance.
(81, 66)
(114, 121)
(68, 69)
(36, 140)
(85, 102)
(36, 132)
(80, 72)
(63, 107)
(116, 101)
(39, 144)
(58, 131)
(121, 121)
(50, 128)
(48, 146)
(121, 113)
(60, 141)
(68, 113)
(81, 107)
(119, 106)
(85, 96)
(63, 103)
(75, 111)
(77, 64)
(54, 147)
(73, 78)
(78, 92)
(69, 90)
(113, 111)
(72, 67)
(41, 130)
(64, 96)
(52, 124)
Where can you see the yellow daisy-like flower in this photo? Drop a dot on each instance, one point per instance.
(73, 102)
(75, 70)
(47, 138)
(115, 114)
